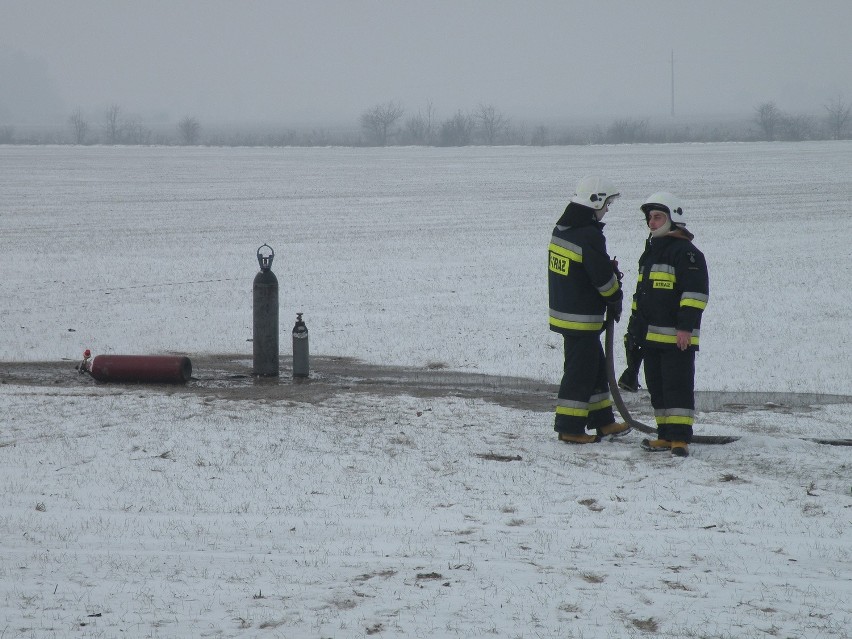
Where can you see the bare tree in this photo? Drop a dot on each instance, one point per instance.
(415, 131)
(420, 128)
(490, 123)
(768, 118)
(798, 127)
(540, 136)
(79, 127)
(133, 132)
(7, 134)
(189, 130)
(112, 125)
(627, 131)
(317, 137)
(378, 122)
(458, 130)
(837, 117)
(517, 134)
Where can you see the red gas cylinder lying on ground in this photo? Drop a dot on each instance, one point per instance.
(151, 369)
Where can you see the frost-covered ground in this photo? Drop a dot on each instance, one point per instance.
(137, 511)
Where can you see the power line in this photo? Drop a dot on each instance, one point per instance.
(673, 110)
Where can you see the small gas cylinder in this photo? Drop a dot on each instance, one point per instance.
(301, 352)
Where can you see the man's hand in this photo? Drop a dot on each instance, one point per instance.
(613, 311)
(684, 338)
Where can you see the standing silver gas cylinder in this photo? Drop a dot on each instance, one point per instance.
(265, 331)
(301, 352)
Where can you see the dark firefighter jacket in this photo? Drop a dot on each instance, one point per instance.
(671, 291)
(581, 279)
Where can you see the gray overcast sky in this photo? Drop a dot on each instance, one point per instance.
(326, 61)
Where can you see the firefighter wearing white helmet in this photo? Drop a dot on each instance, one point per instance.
(670, 298)
(584, 287)
(668, 204)
(673, 207)
(595, 193)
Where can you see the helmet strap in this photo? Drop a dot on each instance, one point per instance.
(665, 228)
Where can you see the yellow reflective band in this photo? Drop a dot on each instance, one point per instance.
(601, 404)
(668, 339)
(576, 326)
(611, 290)
(660, 275)
(572, 412)
(694, 303)
(681, 420)
(564, 252)
(663, 339)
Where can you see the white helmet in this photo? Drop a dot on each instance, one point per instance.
(665, 202)
(593, 191)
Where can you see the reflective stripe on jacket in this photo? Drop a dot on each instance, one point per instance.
(671, 292)
(581, 278)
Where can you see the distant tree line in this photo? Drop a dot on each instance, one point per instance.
(115, 128)
(774, 124)
(385, 124)
(389, 124)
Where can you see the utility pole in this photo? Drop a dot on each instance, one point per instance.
(673, 83)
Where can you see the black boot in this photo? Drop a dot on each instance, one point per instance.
(629, 380)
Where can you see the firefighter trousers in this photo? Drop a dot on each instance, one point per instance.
(670, 378)
(584, 400)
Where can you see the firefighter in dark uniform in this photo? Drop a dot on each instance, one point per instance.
(583, 288)
(671, 294)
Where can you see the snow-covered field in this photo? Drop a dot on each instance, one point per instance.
(135, 511)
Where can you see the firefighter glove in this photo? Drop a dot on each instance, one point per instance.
(613, 310)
